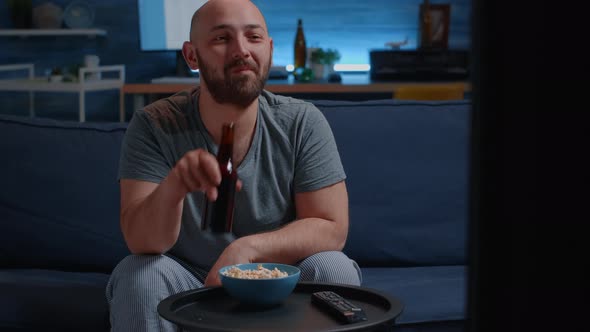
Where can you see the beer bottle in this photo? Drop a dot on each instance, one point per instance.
(300, 48)
(425, 26)
(219, 215)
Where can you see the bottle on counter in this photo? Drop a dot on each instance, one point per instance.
(425, 26)
(219, 215)
(300, 49)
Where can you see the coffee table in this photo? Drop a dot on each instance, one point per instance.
(212, 309)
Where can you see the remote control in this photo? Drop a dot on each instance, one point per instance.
(338, 307)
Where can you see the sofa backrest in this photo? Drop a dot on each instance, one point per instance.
(406, 165)
(407, 171)
(59, 195)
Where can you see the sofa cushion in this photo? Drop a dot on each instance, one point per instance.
(407, 170)
(429, 294)
(60, 195)
(46, 300)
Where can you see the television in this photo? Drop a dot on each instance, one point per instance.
(164, 25)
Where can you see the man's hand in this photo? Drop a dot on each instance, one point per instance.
(236, 253)
(198, 170)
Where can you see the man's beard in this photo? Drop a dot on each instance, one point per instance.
(240, 90)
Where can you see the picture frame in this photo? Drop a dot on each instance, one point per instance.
(434, 29)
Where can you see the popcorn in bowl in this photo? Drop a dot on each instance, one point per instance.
(259, 273)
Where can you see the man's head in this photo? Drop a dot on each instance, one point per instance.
(230, 45)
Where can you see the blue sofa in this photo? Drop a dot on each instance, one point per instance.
(406, 164)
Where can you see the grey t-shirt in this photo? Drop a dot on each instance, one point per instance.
(293, 150)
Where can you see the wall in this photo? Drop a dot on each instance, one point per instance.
(351, 26)
(354, 27)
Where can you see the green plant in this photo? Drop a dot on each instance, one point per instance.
(325, 56)
(56, 71)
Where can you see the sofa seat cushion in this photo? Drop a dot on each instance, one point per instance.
(53, 300)
(429, 294)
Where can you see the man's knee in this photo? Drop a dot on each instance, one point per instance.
(139, 274)
(138, 267)
(138, 283)
(330, 267)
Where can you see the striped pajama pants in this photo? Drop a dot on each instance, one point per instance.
(139, 282)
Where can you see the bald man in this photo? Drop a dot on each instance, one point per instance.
(292, 206)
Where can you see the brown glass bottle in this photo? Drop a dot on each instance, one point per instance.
(219, 215)
(300, 48)
(425, 26)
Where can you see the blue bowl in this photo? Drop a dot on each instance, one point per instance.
(265, 292)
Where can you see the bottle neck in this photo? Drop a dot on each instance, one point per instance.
(226, 146)
(299, 29)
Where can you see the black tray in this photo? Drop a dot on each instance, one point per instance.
(212, 309)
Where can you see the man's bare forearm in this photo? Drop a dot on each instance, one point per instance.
(298, 240)
(151, 225)
(322, 226)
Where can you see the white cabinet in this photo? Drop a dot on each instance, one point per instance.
(83, 85)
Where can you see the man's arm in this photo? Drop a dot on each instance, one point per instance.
(151, 213)
(321, 225)
(150, 219)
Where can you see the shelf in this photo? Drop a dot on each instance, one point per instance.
(43, 85)
(52, 32)
(33, 84)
